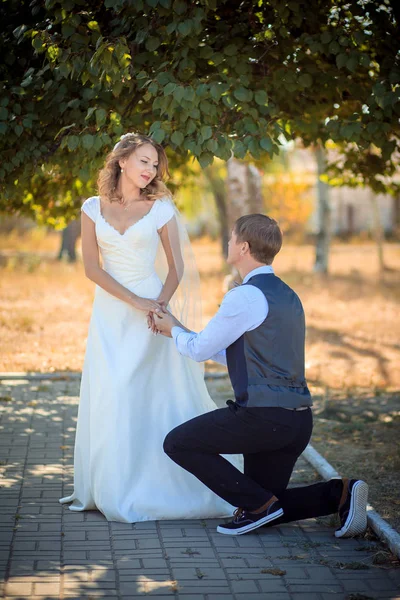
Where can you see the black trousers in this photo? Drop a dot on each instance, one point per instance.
(271, 440)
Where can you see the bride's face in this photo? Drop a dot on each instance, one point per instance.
(140, 167)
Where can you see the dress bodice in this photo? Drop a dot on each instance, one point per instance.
(129, 257)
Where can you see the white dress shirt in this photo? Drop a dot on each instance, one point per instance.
(242, 309)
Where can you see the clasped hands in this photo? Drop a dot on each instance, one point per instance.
(161, 321)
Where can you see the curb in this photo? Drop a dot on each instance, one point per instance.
(74, 376)
(382, 529)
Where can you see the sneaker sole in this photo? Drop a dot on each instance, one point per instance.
(356, 522)
(251, 526)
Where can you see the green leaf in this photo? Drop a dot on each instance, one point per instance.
(72, 142)
(205, 159)
(202, 90)
(216, 91)
(177, 138)
(90, 112)
(189, 94)
(261, 97)
(117, 88)
(254, 148)
(170, 27)
(206, 132)
(93, 26)
(178, 93)
(205, 52)
(266, 144)
(241, 94)
(87, 141)
(326, 37)
(18, 130)
(217, 58)
(101, 116)
(185, 27)
(152, 43)
(334, 47)
(26, 81)
(194, 113)
(231, 50)
(179, 7)
(163, 78)
(352, 64)
(3, 113)
(155, 125)
(67, 30)
(37, 43)
(190, 127)
(305, 80)
(158, 135)
(212, 146)
(169, 88)
(341, 60)
(239, 149)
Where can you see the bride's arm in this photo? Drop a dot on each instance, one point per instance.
(94, 272)
(169, 236)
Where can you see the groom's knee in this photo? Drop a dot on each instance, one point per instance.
(169, 443)
(174, 441)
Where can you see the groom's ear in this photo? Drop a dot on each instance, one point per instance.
(245, 248)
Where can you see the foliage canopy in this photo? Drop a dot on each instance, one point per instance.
(204, 77)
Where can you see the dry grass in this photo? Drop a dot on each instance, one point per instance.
(353, 349)
(352, 316)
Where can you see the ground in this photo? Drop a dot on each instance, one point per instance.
(352, 350)
(50, 553)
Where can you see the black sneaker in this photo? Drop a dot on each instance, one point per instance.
(353, 508)
(245, 521)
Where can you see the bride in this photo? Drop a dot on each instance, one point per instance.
(135, 386)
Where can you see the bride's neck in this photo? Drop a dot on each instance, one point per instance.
(129, 191)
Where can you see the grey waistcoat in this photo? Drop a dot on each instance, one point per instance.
(266, 365)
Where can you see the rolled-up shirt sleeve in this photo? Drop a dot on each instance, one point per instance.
(242, 309)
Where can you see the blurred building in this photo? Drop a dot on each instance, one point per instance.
(352, 208)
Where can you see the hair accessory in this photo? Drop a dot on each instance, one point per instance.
(121, 139)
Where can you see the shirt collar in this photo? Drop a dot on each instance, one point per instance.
(267, 270)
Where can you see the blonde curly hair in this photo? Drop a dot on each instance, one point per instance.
(109, 175)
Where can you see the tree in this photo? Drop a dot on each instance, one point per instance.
(323, 215)
(205, 78)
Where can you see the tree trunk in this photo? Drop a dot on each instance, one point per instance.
(69, 237)
(244, 194)
(396, 218)
(217, 186)
(378, 232)
(243, 190)
(323, 216)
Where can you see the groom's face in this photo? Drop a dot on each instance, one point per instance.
(233, 249)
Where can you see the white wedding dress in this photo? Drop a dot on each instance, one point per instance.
(135, 388)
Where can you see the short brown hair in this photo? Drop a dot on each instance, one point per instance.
(262, 234)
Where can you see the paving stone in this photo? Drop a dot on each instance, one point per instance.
(18, 589)
(46, 589)
(185, 560)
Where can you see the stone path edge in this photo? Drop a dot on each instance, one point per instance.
(381, 527)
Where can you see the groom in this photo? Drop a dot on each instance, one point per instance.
(259, 333)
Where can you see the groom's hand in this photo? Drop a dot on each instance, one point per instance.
(164, 322)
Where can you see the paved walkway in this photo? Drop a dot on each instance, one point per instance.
(48, 552)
